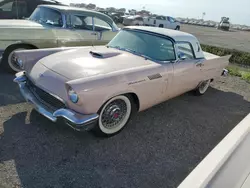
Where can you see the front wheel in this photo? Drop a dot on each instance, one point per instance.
(9, 60)
(114, 115)
(177, 27)
(202, 88)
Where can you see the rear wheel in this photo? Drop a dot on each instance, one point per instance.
(114, 115)
(9, 60)
(202, 88)
(177, 27)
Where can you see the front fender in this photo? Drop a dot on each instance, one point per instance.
(30, 57)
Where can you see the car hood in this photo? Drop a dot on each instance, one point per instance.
(19, 24)
(90, 61)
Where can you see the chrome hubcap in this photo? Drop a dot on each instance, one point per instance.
(12, 60)
(114, 114)
(204, 85)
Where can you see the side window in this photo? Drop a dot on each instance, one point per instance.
(185, 49)
(7, 7)
(101, 25)
(172, 20)
(20, 8)
(81, 22)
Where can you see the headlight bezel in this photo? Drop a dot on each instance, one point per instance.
(73, 97)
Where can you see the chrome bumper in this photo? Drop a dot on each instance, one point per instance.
(75, 120)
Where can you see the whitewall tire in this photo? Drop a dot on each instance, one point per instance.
(203, 87)
(114, 115)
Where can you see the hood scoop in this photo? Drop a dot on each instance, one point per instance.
(104, 55)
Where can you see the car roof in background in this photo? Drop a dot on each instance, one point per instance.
(176, 35)
(76, 10)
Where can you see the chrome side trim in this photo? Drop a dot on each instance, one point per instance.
(75, 120)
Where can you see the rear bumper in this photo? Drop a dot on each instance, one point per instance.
(77, 121)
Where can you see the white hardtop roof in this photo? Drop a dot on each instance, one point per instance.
(176, 35)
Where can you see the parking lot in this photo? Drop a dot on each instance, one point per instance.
(157, 149)
(239, 40)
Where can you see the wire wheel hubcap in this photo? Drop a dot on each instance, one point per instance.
(204, 86)
(115, 114)
(12, 60)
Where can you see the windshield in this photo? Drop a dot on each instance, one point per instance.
(47, 16)
(144, 44)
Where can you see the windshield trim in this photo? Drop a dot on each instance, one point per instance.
(144, 56)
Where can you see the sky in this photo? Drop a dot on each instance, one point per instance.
(237, 10)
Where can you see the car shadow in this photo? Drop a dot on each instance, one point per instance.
(9, 92)
(158, 148)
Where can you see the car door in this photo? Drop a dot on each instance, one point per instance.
(170, 23)
(104, 31)
(79, 31)
(187, 72)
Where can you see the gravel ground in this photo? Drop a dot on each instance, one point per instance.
(159, 148)
(227, 39)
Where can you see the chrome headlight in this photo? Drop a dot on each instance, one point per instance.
(73, 96)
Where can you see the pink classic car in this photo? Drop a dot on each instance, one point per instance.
(101, 87)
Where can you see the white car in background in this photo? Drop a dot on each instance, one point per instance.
(133, 20)
(162, 21)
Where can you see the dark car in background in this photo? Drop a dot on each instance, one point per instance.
(19, 9)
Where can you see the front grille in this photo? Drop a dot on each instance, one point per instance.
(44, 97)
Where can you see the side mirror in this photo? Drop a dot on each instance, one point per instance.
(182, 56)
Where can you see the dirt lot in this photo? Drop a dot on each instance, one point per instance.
(157, 149)
(239, 40)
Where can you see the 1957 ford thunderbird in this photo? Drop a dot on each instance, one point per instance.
(101, 87)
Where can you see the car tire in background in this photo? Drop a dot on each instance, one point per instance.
(9, 62)
(202, 87)
(114, 115)
(177, 27)
(161, 26)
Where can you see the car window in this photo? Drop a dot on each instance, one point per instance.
(171, 19)
(101, 25)
(7, 6)
(20, 8)
(81, 22)
(186, 49)
(155, 47)
(47, 16)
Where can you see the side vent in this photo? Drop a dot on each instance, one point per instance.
(154, 76)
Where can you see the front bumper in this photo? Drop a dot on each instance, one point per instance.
(77, 121)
